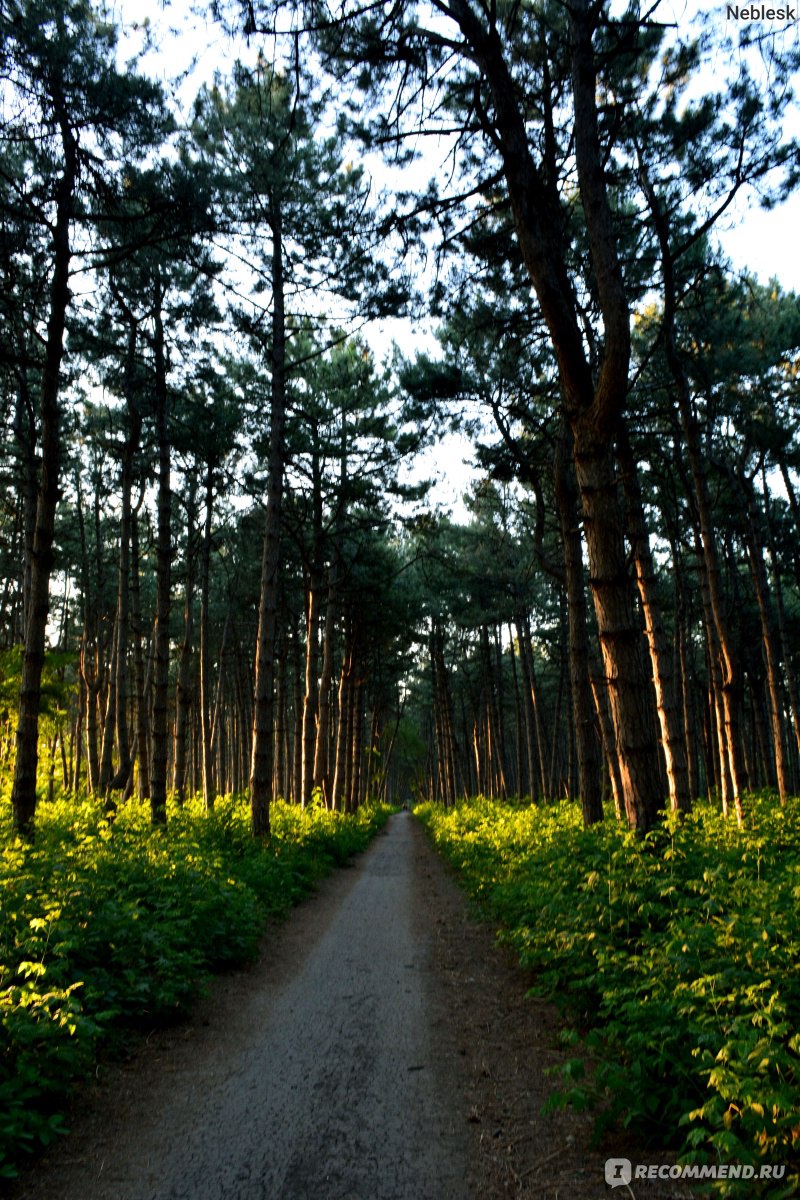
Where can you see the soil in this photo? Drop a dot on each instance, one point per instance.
(383, 1047)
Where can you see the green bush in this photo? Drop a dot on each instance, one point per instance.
(677, 958)
(105, 928)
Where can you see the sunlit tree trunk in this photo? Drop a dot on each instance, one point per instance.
(600, 697)
(758, 573)
(686, 700)
(109, 722)
(520, 723)
(672, 740)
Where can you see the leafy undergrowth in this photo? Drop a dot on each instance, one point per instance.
(109, 928)
(677, 959)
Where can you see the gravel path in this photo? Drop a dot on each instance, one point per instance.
(334, 1099)
(323, 1087)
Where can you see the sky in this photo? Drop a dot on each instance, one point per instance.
(765, 243)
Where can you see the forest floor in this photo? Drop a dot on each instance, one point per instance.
(383, 1047)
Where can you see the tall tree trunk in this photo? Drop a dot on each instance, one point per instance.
(93, 681)
(357, 742)
(281, 721)
(262, 760)
(322, 778)
(588, 751)
(77, 738)
(729, 667)
(534, 735)
(618, 630)
(109, 723)
(205, 654)
(311, 694)
(183, 688)
(520, 722)
(672, 740)
(23, 792)
(297, 713)
(340, 755)
(160, 729)
(716, 705)
(686, 684)
(129, 450)
(769, 639)
(139, 678)
(311, 697)
(25, 446)
(217, 731)
(600, 696)
(443, 715)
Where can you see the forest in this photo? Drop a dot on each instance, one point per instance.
(243, 309)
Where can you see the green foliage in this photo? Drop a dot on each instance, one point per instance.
(108, 928)
(677, 958)
(58, 681)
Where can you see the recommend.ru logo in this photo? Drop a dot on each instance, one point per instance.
(620, 1171)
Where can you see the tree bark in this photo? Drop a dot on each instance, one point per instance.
(672, 741)
(160, 729)
(207, 770)
(23, 792)
(119, 781)
(582, 703)
(262, 757)
(183, 688)
(139, 678)
(758, 573)
(311, 694)
(343, 706)
(322, 779)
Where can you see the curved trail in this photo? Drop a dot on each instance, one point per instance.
(332, 1094)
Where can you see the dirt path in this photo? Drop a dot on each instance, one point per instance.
(382, 1049)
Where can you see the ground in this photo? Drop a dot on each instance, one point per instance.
(383, 1047)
